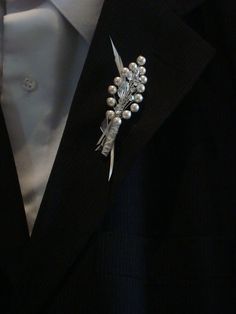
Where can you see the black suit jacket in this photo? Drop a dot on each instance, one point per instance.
(160, 236)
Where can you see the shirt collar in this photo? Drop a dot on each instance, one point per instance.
(82, 14)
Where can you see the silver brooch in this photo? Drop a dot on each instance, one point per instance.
(124, 100)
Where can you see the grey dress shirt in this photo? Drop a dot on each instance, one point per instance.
(45, 44)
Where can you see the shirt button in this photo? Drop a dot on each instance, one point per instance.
(29, 84)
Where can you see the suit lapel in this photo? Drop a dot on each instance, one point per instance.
(13, 227)
(78, 192)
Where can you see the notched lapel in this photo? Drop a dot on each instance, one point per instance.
(176, 57)
(13, 226)
(78, 192)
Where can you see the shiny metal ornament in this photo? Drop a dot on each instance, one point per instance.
(126, 98)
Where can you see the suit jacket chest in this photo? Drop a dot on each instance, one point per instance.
(78, 193)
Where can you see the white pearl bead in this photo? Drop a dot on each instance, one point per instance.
(133, 66)
(134, 107)
(111, 101)
(126, 114)
(124, 72)
(141, 60)
(142, 70)
(112, 89)
(118, 80)
(140, 88)
(138, 98)
(117, 120)
(110, 114)
(143, 79)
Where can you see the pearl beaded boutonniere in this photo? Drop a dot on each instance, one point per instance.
(124, 100)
